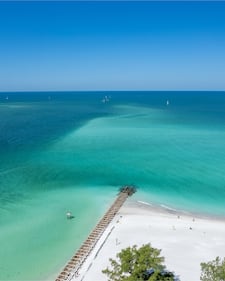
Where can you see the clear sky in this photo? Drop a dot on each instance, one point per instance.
(112, 46)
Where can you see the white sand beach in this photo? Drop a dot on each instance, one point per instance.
(185, 240)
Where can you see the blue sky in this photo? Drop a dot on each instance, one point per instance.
(112, 46)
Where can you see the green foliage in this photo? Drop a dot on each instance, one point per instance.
(133, 263)
(157, 276)
(213, 270)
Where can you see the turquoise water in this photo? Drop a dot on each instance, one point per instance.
(70, 151)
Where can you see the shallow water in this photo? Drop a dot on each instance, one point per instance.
(70, 151)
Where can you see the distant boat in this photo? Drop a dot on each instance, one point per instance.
(167, 102)
(106, 99)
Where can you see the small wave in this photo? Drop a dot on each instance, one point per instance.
(168, 208)
(3, 172)
(145, 203)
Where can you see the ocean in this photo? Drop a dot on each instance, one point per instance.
(71, 151)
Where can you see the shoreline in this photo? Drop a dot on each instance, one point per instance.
(186, 239)
(161, 208)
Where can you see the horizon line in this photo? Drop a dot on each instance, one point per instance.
(94, 91)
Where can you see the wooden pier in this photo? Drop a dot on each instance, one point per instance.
(73, 266)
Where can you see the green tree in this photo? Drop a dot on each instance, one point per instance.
(132, 264)
(213, 270)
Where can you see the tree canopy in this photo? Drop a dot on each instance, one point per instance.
(213, 270)
(138, 264)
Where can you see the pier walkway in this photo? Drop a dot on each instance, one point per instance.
(73, 266)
